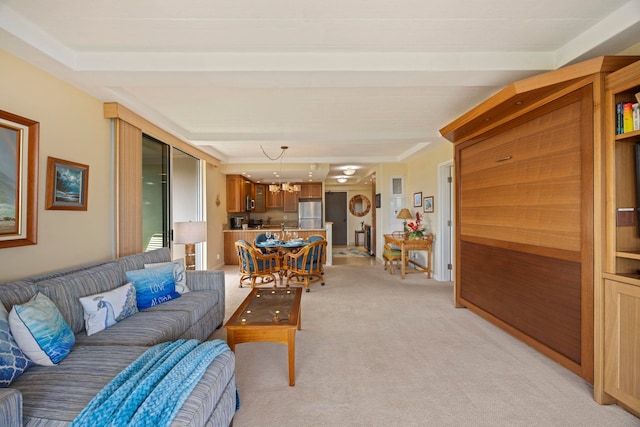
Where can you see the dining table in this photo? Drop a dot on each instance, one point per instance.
(282, 247)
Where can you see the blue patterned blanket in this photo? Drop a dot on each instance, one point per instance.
(152, 389)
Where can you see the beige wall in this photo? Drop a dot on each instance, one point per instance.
(216, 216)
(422, 177)
(72, 128)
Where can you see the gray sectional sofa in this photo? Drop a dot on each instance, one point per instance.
(55, 395)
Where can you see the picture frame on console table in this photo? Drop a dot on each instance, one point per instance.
(428, 204)
(67, 185)
(19, 143)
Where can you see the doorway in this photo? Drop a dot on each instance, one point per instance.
(336, 212)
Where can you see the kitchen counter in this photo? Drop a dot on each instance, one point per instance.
(233, 235)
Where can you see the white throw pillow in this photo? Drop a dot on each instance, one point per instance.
(107, 308)
(40, 331)
(179, 274)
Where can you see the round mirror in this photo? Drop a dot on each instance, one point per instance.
(359, 205)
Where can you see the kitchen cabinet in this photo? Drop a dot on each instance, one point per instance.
(235, 193)
(274, 200)
(238, 188)
(259, 197)
(311, 191)
(290, 201)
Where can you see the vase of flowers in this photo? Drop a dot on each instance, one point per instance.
(415, 229)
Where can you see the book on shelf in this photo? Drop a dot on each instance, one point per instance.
(619, 118)
(627, 117)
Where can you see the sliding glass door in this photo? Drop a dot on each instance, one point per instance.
(155, 194)
(186, 191)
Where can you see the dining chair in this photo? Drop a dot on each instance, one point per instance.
(262, 237)
(256, 268)
(305, 266)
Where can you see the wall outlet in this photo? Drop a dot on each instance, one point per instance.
(285, 217)
(218, 257)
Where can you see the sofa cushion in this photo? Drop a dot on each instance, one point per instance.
(153, 285)
(66, 291)
(197, 304)
(13, 362)
(144, 328)
(17, 292)
(107, 308)
(41, 331)
(179, 274)
(137, 261)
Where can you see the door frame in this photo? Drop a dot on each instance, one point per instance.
(445, 241)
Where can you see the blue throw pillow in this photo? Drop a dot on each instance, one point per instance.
(153, 285)
(13, 362)
(41, 331)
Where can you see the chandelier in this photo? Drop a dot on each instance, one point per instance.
(276, 188)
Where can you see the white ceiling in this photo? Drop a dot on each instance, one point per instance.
(337, 81)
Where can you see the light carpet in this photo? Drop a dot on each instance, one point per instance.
(376, 350)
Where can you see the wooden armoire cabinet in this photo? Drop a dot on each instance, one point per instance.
(529, 209)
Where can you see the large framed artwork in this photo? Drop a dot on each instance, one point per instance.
(67, 185)
(19, 139)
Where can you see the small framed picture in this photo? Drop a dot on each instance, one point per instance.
(378, 204)
(417, 200)
(67, 185)
(428, 204)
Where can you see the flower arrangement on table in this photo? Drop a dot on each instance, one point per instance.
(415, 229)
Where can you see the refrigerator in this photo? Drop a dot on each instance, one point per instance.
(310, 214)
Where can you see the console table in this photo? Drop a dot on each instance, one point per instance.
(406, 245)
(357, 237)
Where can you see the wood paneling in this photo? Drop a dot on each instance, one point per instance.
(129, 188)
(539, 296)
(524, 185)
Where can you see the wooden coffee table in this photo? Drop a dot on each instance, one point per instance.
(269, 315)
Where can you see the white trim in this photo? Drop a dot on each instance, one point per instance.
(444, 240)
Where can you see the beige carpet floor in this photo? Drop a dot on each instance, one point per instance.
(375, 350)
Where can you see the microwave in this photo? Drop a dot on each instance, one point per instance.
(249, 204)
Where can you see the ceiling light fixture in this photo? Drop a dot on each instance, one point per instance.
(350, 171)
(341, 180)
(280, 186)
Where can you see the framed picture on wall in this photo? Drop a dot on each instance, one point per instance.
(378, 201)
(67, 184)
(417, 200)
(428, 204)
(19, 139)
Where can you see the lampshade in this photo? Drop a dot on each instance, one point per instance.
(404, 214)
(189, 232)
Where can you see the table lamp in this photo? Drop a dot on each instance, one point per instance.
(404, 214)
(189, 233)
